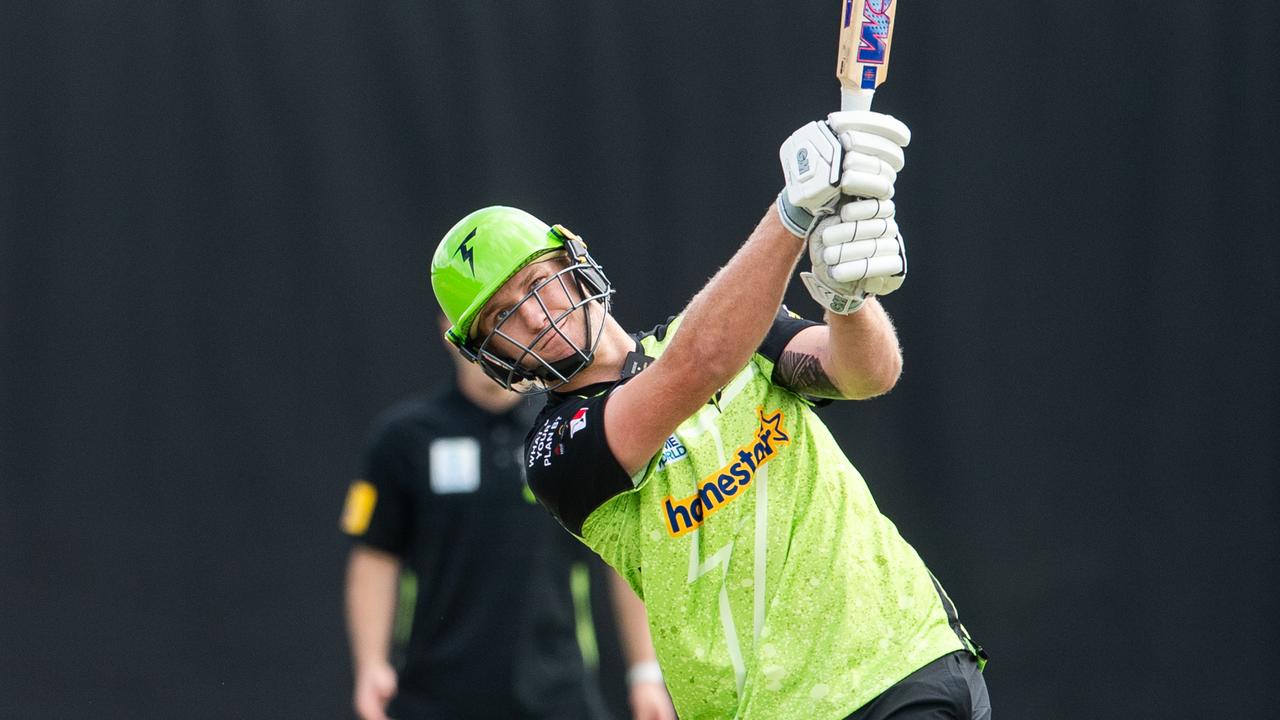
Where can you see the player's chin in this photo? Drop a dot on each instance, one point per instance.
(555, 348)
(558, 354)
(545, 354)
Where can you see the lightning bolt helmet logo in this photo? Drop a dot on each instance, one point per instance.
(467, 252)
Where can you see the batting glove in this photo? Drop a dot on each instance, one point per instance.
(855, 154)
(855, 254)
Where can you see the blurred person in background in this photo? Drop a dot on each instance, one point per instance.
(494, 589)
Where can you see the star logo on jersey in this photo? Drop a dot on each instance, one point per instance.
(728, 483)
(577, 422)
(466, 251)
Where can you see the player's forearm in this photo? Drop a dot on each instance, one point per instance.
(728, 319)
(371, 589)
(863, 358)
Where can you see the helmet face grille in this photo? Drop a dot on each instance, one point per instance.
(528, 371)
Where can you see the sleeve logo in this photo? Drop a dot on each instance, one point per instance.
(358, 510)
(721, 487)
(578, 422)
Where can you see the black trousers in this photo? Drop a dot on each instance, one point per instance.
(949, 688)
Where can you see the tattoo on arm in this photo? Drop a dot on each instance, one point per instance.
(803, 373)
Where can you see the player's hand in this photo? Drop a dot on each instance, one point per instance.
(854, 154)
(856, 253)
(375, 686)
(649, 701)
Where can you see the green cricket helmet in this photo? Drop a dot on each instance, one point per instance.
(479, 255)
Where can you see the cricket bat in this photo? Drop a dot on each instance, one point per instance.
(866, 30)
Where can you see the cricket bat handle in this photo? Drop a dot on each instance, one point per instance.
(855, 99)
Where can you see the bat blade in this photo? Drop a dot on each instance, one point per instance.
(862, 62)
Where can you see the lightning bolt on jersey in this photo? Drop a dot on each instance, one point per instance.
(775, 588)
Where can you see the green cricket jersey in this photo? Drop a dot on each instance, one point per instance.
(774, 587)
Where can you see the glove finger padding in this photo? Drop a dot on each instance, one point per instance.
(856, 270)
(862, 250)
(886, 285)
(873, 156)
(836, 297)
(866, 186)
(866, 209)
(857, 253)
(885, 126)
(860, 143)
(870, 166)
(876, 281)
(867, 177)
(850, 232)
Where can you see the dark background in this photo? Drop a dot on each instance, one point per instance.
(215, 224)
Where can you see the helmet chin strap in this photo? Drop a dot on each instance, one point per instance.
(566, 367)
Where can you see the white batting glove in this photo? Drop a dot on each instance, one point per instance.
(855, 154)
(857, 253)
(873, 156)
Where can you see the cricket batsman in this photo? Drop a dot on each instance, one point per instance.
(690, 458)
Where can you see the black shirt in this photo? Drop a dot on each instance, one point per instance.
(493, 627)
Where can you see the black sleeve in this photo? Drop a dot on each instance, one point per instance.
(568, 463)
(785, 326)
(383, 521)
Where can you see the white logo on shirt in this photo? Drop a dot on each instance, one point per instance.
(540, 448)
(672, 451)
(455, 465)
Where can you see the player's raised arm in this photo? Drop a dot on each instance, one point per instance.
(856, 254)
(721, 327)
(728, 319)
(852, 357)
